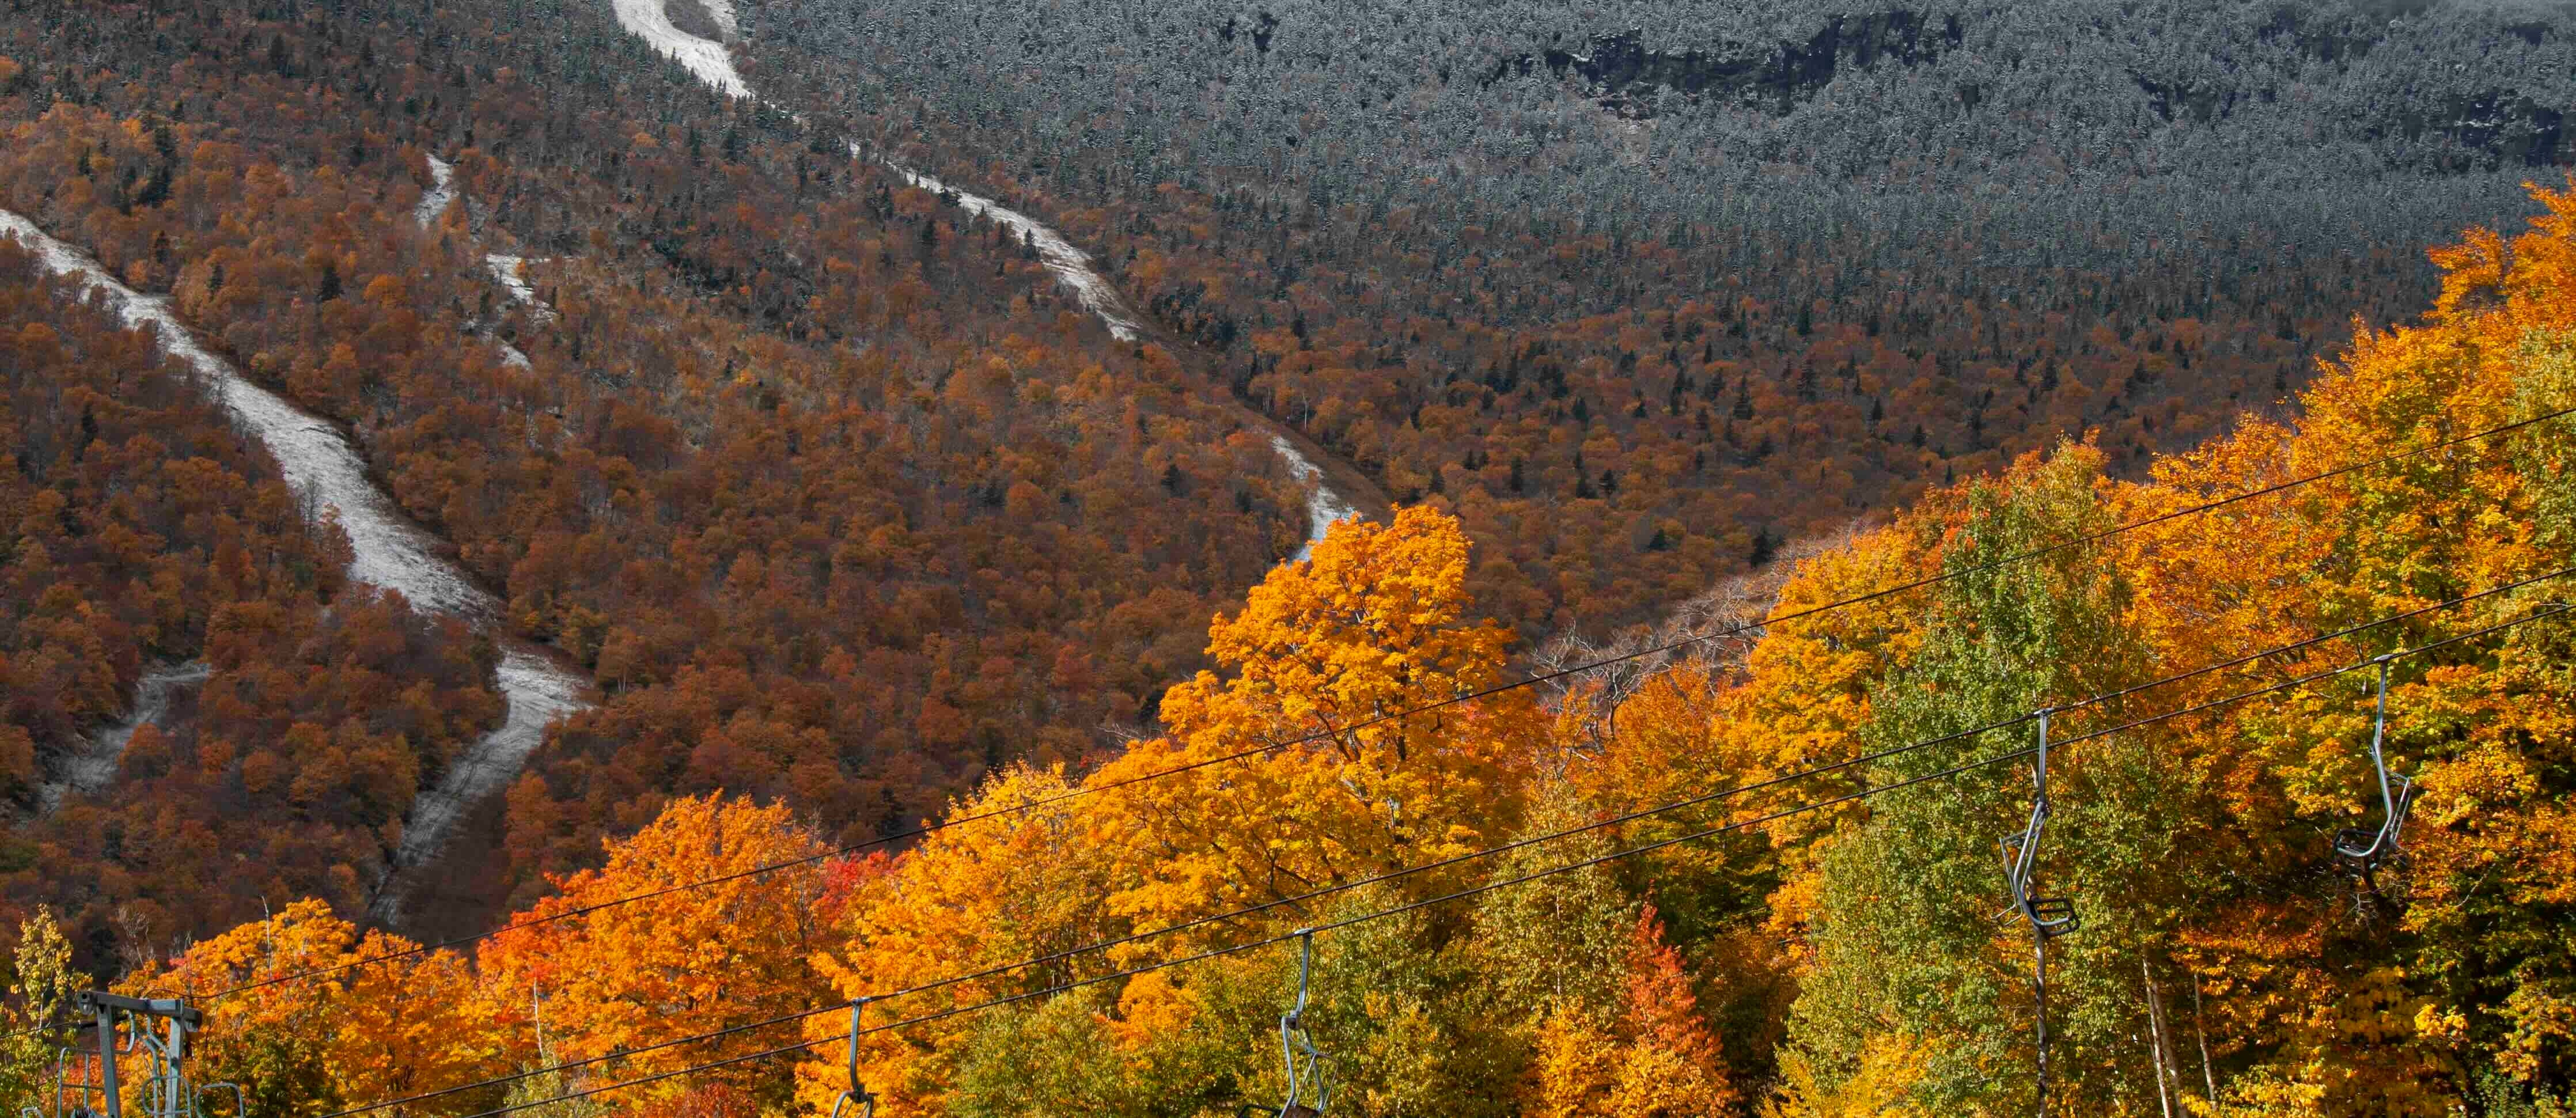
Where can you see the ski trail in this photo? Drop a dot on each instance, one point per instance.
(709, 61)
(722, 10)
(94, 768)
(320, 464)
(506, 269)
(389, 551)
(1071, 266)
(442, 190)
(1323, 506)
(539, 692)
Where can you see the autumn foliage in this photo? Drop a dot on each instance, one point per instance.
(1830, 962)
(869, 536)
(139, 534)
(870, 512)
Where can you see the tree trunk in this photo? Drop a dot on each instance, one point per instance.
(2200, 1028)
(2156, 1034)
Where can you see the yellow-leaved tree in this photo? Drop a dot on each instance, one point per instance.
(1301, 768)
(320, 1015)
(1295, 770)
(593, 979)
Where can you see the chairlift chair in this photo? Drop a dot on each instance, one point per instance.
(76, 1071)
(166, 1090)
(2050, 917)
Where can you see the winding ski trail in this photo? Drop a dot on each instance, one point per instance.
(1071, 266)
(389, 551)
(433, 202)
(708, 60)
(713, 64)
(441, 192)
(1323, 506)
(539, 691)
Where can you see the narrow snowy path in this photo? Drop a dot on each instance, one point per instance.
(94, 768)
(389, 551)
(392, 552)
(506, 270)
(539, 692)
(433, 202)
(1071, 266)
(442, 190)
(1323, 506)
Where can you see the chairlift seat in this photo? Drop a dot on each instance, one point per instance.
(2053, 916)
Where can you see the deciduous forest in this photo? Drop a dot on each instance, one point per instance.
(1767, 430)
(852, 522)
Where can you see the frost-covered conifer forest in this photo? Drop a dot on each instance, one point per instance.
(747, 558)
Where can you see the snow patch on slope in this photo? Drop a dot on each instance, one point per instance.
(91, 769)
(539, 693)
(709, 61)
(722, 12)
(1323, 506)
(389, 550)
(506, 269)
(1072, 266)
(442, 190)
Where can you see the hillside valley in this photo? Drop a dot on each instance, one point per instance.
(731, 558)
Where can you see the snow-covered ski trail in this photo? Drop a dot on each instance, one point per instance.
(1323, 506)
(539, 692)
(506, 270)
(433, 202)
(389, 551)
(94, 767)
(1071, 266)
(442, 190)
(709, 61)
(392, 552)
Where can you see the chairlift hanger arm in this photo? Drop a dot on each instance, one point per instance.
(90, 1001)
(2395, 791)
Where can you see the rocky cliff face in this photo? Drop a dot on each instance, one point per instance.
(2497, 125)
(2494, 127)
(1628, 76)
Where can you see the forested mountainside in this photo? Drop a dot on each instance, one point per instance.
(143, 529)
(1762, 882)
(539, 570)
(1640, 289)
(823, 483)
